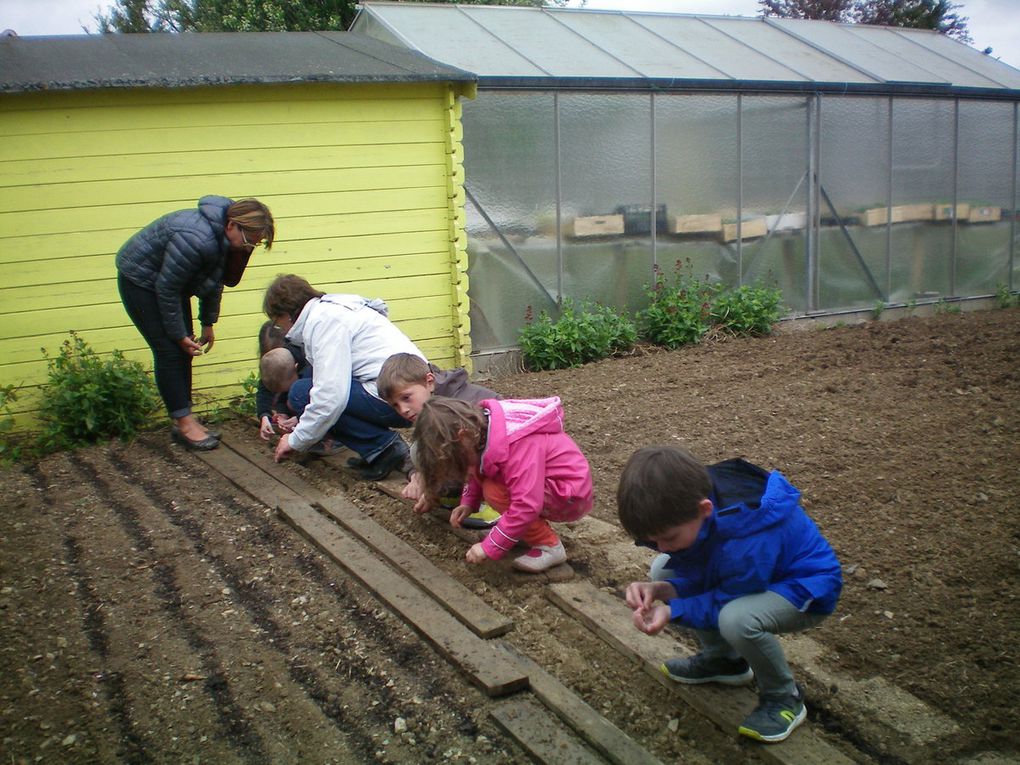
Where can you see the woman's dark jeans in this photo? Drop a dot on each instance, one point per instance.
(171, 365)
(363, 426)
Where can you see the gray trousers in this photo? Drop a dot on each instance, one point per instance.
(747, 628)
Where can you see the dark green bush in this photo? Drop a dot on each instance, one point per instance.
(679, 309)
(89, 398)
(584, 332)
(747, 310)
(682, 309)
(9, 449)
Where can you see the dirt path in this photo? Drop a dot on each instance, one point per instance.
(153, 613)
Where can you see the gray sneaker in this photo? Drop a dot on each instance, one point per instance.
(775, 719)
(701, 669)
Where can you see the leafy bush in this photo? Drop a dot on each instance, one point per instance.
(1004, 298)
(584, 332)
(748, 310)
(9, 450)
(679, 310)
(89, 398)
(245, 404)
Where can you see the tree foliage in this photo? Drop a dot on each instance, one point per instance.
(939, 15)
(247, 15)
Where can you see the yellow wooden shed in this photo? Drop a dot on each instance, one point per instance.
(354, 144)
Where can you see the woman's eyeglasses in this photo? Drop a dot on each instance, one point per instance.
(248, 244)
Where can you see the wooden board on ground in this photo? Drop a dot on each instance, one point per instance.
(481, 661)
(545, 740)
(467, 607)
(612, 743)
(610, 618)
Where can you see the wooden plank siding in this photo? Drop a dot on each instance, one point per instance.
(365, 183)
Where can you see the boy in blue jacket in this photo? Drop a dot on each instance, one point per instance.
(742, 562)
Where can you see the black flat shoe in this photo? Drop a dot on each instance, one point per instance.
(206, 444)
(394, 457)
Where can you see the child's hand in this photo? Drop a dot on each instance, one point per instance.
(458, 514)
(652, 620)
(266, 431)
(641, 595)
(414, 488)
(285, 424)
(476, 554)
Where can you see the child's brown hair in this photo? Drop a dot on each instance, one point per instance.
(399, 371)
(440, 433)
(660, 487)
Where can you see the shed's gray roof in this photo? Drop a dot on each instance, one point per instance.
(186, 60)
(556, 47)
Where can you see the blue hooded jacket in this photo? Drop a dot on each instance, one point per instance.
(757, 538)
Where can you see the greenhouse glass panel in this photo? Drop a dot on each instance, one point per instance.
(510, 146)
(772, 236)
(606, 197)
(854, 177)
(984, 192)
(922, 180)
(696, 180)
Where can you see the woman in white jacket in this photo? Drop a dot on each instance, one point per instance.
(346, 339)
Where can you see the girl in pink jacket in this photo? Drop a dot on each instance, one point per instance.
(515, 455)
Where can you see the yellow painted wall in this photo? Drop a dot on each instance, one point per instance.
(365, 183)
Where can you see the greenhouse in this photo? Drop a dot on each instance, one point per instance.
(851, 166)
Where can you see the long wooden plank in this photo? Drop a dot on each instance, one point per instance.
(612, 743)
(610, 619)
(547, 742)
(478, 659)
(468, 608)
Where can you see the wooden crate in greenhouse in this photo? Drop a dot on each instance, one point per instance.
(696, 224)
(984, 214)
(597, 225)
(879, 216)
(945, 211)
(749, 229)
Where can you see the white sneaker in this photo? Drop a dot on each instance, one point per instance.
(540, 558)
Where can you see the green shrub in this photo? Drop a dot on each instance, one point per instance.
(1004, 297)
(245, 404)
(748, 310)
(584, 332)
(9, 449)
(89, 398)
(679, 310)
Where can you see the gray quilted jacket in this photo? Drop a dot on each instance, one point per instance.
(180, 255)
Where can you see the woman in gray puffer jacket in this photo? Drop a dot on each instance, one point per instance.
(183, 254)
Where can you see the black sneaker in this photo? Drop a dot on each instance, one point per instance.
(699, 669)
(396, 456)
(773, 720)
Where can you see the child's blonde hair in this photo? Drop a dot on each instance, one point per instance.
(399, 371)
(439, 448)
(277, 368)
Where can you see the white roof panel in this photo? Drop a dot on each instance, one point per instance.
(505, 45)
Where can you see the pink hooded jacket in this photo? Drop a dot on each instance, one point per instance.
(544, 471)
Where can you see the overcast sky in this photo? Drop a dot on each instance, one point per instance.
(994, 23)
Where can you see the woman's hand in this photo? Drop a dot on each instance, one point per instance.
(266, 431)
(208, 338)
(476, 553)
(283, 449)
(189, 346)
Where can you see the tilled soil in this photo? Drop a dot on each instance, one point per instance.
(153, 613)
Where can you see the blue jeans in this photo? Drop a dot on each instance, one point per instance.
(171, 366)
(363, 426)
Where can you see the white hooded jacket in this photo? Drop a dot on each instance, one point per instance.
(344, 337)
